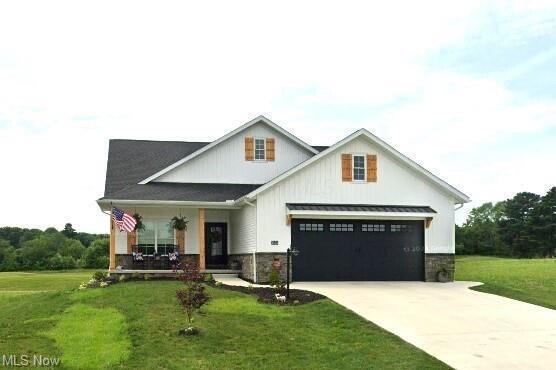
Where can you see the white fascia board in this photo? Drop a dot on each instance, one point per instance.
(226, 137)
(106, 203)
(458, 195)
(361, 214)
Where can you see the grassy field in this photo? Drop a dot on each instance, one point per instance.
(15, 283)
(135, 324)
(528, 280)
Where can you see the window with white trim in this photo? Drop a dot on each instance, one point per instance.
(260, 149)
(358, 167)
(158, 236)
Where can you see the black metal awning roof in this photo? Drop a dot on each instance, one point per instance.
(358, 208)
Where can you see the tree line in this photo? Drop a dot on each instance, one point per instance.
(34, 249)
(523, 226)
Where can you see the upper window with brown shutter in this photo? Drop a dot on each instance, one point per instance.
(372, 168)
(270, 151)
(359, 167)
(260, 149)
(249, 149)
(346, 167)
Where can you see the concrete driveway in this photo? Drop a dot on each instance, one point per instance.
(463, 328)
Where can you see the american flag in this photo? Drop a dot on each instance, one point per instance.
(124, 220)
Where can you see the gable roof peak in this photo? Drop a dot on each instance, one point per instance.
(257, 119)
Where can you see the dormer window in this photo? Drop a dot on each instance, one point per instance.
(260, 150)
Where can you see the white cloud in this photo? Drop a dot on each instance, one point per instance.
(74, 75)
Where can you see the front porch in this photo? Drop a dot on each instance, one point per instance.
(205, 242)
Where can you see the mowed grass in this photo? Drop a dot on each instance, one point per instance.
(14, 283)
(135, 325)
(528, 280)
(82, 327)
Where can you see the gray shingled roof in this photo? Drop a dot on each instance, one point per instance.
(130, 161)
(358, 208)
(320, 148)
(183, 192)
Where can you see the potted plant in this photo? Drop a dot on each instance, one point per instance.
(179, 223)
(443, 275)
(139, 226)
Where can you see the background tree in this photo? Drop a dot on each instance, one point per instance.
(543, 224)
(479, 234)
(69, 231)
(33, 249)
(516, 227)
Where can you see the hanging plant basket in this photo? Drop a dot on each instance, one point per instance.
(179, 223)
(139, 226)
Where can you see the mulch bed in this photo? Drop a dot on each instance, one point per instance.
(267, 295)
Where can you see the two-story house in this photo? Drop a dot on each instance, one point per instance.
(356, 210)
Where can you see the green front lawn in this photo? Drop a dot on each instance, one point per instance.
(13, 283)
(528, 280)
(135, 324)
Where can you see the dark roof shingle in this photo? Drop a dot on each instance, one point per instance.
(183, 192)
(130, 161)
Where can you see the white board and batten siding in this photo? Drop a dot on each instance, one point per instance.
(244, 227)
(321, 182)
(225, 163)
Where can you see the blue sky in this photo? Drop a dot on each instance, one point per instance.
(466, 89)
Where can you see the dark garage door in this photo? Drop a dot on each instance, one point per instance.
(357, 250)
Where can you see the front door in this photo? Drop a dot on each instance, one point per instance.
(216, 244)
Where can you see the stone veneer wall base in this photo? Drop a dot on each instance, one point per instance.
(435, 262)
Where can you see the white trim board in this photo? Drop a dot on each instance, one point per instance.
(227, 136)
(459, 196)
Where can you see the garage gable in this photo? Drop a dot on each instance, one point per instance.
(366, 158)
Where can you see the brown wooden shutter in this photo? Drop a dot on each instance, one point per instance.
(346, 167)
(371, 168)
(131, 240)
(180, 239)
(270, 151)
(249, 151)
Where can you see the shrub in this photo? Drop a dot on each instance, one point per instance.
(96, 255)
(274, 281)
(59, 262)
(208, 278)
(100, 276)
(99, 279)
(273, 277)
(191, 273)
(191, 298)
